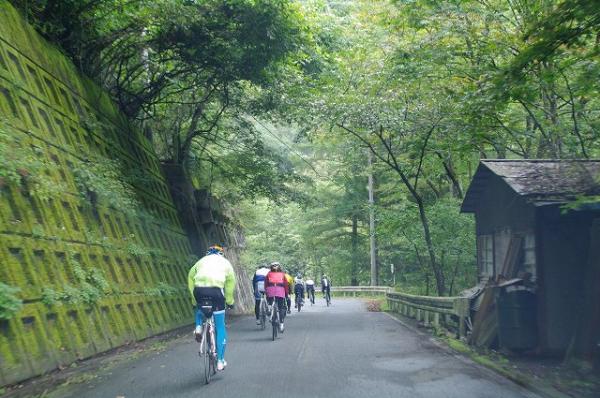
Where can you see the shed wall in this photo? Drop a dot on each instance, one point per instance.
(563, 258)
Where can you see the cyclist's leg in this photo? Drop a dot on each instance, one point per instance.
(221, 334)
(199, 316)
(270, 305)
(281, 306)
(219, 317)
(257, 307)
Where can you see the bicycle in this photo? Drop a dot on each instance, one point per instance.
(208, 346)
(275, 321)
(262, 315)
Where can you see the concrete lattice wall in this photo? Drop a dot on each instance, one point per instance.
(47, 244)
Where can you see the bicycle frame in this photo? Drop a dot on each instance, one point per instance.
(208, 348)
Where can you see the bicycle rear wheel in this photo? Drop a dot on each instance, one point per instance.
(205, 354)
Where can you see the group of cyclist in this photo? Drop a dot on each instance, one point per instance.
(212, 278)
(278, 286)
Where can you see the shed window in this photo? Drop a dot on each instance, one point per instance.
(529, 255)
(487, 255)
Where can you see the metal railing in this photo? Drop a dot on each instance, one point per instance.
(448, 312)
(360, 290)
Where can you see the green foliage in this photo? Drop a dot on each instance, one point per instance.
(137, 250)
(91, 287)
(429, 88)
(10, 303)
(100, 180)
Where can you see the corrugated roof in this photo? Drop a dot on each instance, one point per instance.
(540, 182)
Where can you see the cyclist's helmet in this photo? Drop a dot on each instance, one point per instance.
(275, 266)
(215, 249)
(299, 276)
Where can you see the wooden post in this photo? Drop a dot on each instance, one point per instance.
(462, 309)
(436, 319)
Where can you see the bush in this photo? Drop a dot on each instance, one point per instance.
(374, 305)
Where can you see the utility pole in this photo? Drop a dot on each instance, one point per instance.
(374, 270)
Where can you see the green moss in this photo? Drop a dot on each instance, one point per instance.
(491, 360)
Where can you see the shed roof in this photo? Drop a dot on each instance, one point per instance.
(540, 182)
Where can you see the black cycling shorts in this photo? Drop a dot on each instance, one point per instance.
(214, 294)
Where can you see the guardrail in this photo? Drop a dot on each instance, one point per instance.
(432, 311)
(449, 312)
(360, 290)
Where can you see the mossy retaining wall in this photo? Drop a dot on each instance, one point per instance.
(129, 270)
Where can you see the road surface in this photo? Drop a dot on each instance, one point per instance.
(341, 351)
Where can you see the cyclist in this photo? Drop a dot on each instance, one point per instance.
(290, 281)
(277, 289)
(325, 285)
(213, 277)
(299, 288)
(310, 289)
(258, 284)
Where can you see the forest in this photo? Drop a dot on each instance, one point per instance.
(284, 109)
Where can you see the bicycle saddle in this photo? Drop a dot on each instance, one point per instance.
(206, 306)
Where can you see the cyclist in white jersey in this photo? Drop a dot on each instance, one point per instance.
(310, 289)
(258, 284)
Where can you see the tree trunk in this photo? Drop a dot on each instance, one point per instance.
(437, 271)
(374, 267)
(354, 237)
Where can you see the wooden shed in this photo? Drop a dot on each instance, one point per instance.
(525, 231)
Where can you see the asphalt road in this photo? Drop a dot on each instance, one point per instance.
(341, 351)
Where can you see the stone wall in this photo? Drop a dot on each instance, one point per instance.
(92, 276)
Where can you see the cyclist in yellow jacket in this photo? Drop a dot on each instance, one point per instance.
(213, 278)
(290, 281)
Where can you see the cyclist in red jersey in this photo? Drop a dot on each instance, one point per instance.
(277, 289)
